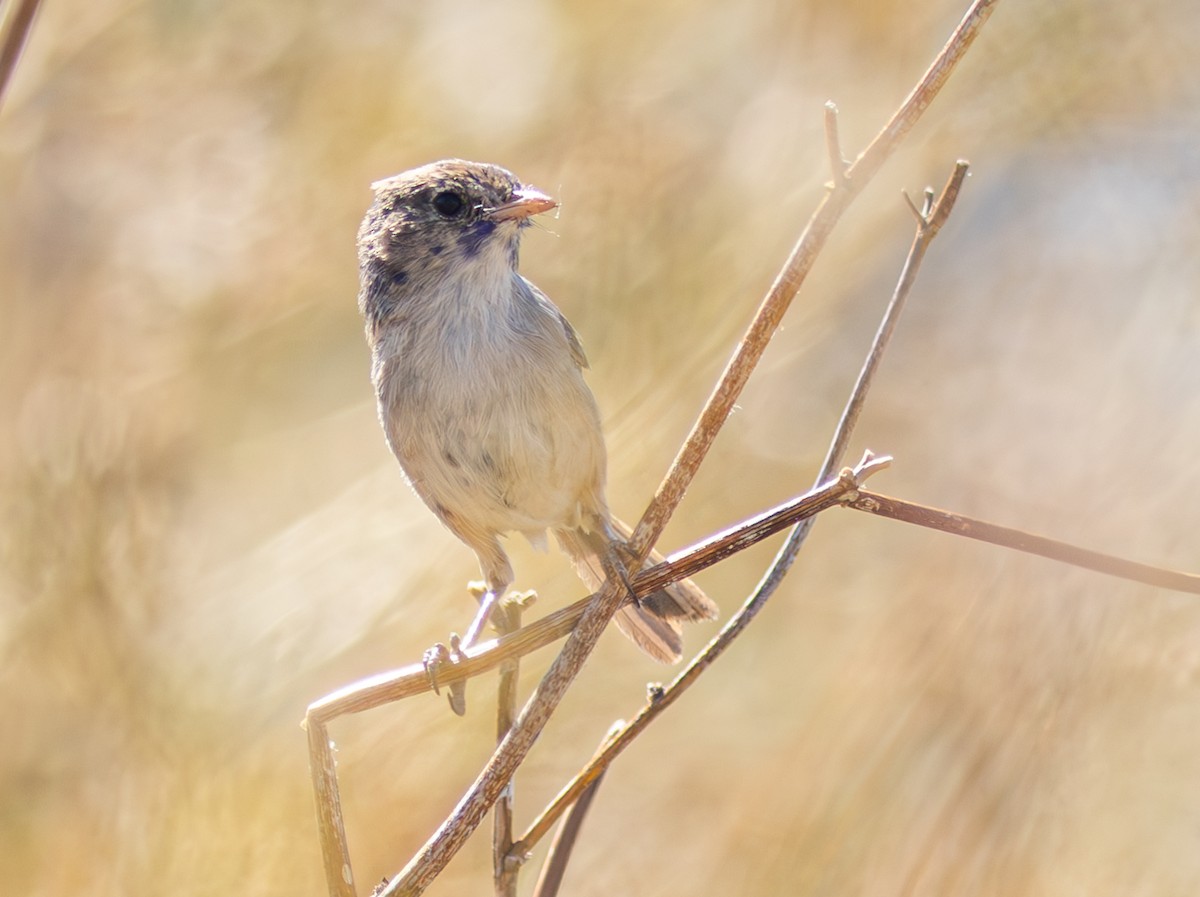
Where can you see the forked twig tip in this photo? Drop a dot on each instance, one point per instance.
(838, 164)
(912, 206)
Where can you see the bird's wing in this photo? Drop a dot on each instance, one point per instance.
(573, 342)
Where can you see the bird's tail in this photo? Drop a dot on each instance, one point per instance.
(655, 623)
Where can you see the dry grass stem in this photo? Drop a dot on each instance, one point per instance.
(838, 163)
(202, 523)
(849, 481)
(512, 750)
(795, 270)
(335, 851)
(929, 222)
(507, 619)
(930, 219)
(385, 688)
(494, 778)
(555, 867)
(588, 617)
(12, 42)
(959, 525)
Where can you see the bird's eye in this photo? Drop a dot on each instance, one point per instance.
(449, 204)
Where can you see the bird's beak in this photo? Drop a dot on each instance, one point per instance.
(524, 203)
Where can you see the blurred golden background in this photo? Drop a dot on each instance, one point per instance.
(203, 529)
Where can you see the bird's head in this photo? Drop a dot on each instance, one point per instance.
(446, 219)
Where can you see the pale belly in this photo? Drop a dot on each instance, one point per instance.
(516, 450)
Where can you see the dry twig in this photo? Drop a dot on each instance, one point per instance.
(555, 867)
(450, 836)
(929, 223)
(385, 688)
(960, 525)
(412, 679)
(506, 619)
(845, 188)
(20, 22)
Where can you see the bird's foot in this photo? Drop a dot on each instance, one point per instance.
(435, 661)
(504, 615)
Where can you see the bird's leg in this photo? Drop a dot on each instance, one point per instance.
(435, 659)
(487, 599)
(497, 576)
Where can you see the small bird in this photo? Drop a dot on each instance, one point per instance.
(480, 387)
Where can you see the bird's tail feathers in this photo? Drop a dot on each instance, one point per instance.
(654, 623)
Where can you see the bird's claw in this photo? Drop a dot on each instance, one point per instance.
(433, 661)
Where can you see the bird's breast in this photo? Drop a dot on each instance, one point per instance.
(489, 415)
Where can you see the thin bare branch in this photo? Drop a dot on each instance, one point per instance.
(838, 163)
(512, 750)
(385, 688)
(555, 867)
(926, 231)
(412, 680)
(795, 270)
(332, 831)
(450, 836)
(13, 41)
(929, 224)
(960, 525)
(507, 619)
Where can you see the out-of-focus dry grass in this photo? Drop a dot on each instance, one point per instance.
(202, 529)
